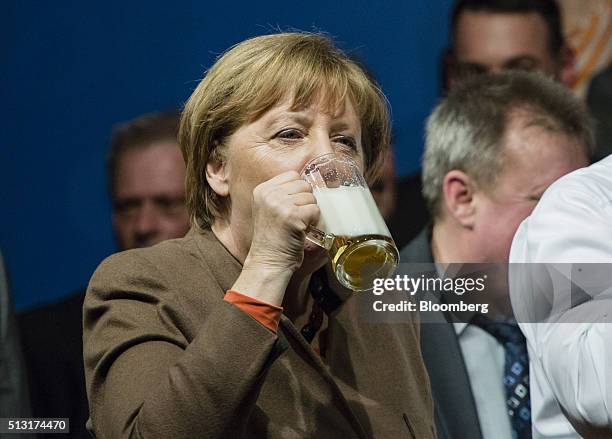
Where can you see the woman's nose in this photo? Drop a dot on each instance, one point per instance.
(323, 146)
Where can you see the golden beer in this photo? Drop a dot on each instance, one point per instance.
(357, 261)
(350, 226)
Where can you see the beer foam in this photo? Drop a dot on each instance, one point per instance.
(349, 211)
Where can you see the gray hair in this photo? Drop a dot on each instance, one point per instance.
(466, 130)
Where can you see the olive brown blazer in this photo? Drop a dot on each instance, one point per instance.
(167, 357)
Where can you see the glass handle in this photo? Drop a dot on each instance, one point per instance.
(319, 237)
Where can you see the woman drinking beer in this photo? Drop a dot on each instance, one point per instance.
(226, 333)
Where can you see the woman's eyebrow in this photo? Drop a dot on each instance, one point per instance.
(300, 117)
(342, 126)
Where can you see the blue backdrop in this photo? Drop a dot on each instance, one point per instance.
(71, 69)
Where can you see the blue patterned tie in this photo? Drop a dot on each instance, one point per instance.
(516, 372)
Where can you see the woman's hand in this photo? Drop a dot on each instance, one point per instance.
(283, 208)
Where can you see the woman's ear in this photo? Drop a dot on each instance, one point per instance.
(217, 175)
(458, 191)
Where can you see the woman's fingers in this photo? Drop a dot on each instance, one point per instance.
(310, 214)
(303, 199)
(287, 186)
(283, 208)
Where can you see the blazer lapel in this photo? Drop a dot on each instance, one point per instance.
(455, 408)
(315, 360)
(449, 380)
(226, 273)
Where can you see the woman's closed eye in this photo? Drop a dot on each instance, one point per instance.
(289, 134)
(346, 141)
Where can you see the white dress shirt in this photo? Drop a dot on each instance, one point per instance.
(485, 360)
(570, 358)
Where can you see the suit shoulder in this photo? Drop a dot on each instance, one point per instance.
(153, 259)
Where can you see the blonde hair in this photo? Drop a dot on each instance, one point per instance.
(250, 79)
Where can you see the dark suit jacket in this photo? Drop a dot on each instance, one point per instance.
(455, 409)
(14, 401)
(166, 356)
(52, 338)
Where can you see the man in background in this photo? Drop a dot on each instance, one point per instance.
(488, 36)
(493, 146)
(146, 179)
(14, 399)
(146, 175)
(499, 35)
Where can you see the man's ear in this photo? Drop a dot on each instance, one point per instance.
(458, 191)
(567, 70)
(217, 175)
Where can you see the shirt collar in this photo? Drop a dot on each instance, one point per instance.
(460, 327)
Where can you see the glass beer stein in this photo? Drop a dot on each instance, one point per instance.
(350, 228)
